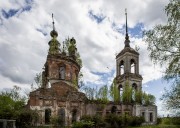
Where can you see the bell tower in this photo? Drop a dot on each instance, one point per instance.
(127, 66)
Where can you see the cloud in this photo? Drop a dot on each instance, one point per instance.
(97, 26)
(97, 17)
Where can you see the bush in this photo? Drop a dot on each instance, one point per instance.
(175, 120)
(96, 119)
(27, 118)
(159, 120)
(166, 121)
(83, 124)
(171, 121)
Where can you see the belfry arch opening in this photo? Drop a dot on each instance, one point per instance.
(134, 89)
(132, 66)
(121, 67)
(120, 92)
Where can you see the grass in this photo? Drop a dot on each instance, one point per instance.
(158, 126)
(152, 126)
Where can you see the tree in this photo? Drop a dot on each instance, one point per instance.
(138, 96)
(12, 106)
(127, 93)
(164, 45)
(171, 97)
(103, 93)
(69, 47)
(90, 92)
(11, 102)
(148, 99)
(114, 92)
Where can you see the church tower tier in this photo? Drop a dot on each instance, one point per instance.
(127, 66)
(61, 66)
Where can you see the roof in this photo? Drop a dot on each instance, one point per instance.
(127, 49)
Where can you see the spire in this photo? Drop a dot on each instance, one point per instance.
(54, 45)
(127, 37)
(53, 32)
(53, 22)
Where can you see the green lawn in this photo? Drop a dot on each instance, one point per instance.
(154, 126)
(159, 126)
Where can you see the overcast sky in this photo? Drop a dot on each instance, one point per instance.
(97, 26)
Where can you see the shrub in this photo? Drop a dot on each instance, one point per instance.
(127, 120)
(113, 120)
(159, 120)
(83, 124)
(27, 118)
(166, 121)
(171, 121)
(175, 120)
(96, 119)
(86, 118)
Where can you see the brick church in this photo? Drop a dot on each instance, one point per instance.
(59, 94)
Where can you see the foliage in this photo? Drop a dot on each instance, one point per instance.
(114, 93)
(124, 120)
(27, 118)
(138, 96)
(127, 94)
(103, 93)
(54, 120)
(12, 107)
(171, 121)
(38, 81)
(70, 48)
(54, 46)
(96, 119)
(172, 98)
(11, 103)
(164, 46)
(90, 92)
(97, 95)
(113, 120)
(148, 99)
(83, 124)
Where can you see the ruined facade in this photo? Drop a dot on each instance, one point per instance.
(59, 95)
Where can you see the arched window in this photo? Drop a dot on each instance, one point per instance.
(113, 109)
(121, 92)
(74, 115)
(61, 115)
(47, 116)
(151, 117)
(76, 76)
(62, 72)
(121, 66)
(134, 89)
(132, 62)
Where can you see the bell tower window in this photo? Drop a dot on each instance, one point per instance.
(134, 89)
(121, 92)
(121, 66)
(62, 72)
(133, 69)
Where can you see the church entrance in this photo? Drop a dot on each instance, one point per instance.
(61, 114)
(74, 115)
(47, 116)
